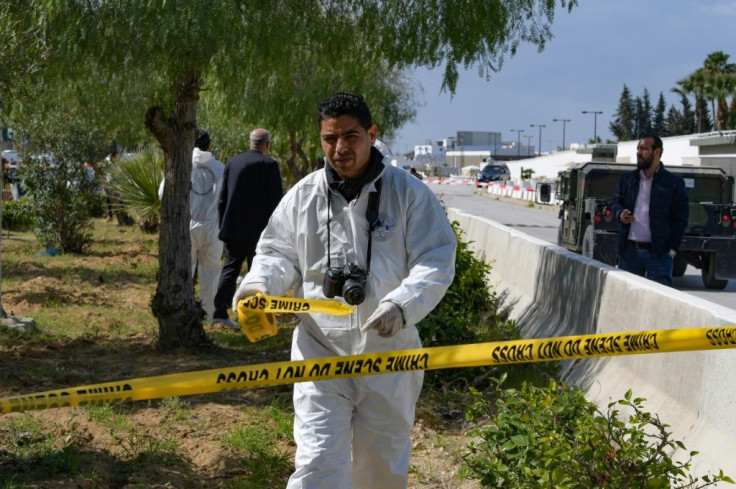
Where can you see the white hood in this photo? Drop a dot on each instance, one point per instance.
(206, 185)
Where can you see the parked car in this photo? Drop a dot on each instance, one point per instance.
(493, 172)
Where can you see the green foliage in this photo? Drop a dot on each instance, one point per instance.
(135, 181)
(622, 125)
(60, 179)
(467, 314)
(18, 214)
(542, 437)
(20, 52)
(457, 317)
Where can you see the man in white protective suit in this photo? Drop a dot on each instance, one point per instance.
(320, 242)
(206, 251)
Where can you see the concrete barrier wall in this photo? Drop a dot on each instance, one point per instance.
(553, 292)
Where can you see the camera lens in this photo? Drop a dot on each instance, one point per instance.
(353, 292)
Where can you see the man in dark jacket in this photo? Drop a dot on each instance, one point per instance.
(652, 205)
(250, 192)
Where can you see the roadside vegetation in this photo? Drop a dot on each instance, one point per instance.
(512, 426)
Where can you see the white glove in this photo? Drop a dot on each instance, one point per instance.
(246, 289)
(387, 320)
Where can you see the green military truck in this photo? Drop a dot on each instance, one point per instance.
(588, 226)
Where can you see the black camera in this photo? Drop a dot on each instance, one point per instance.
(348, 283)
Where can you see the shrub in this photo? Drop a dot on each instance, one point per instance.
(97, 205)
(542, 437)
(465, 315)
(458, 316)
(135, 182)
(61, 193)
(59, 180)
(18, 214)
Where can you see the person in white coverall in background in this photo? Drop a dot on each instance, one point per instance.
(203, 228)
(355, 432)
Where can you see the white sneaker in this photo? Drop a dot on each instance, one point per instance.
(226, 322)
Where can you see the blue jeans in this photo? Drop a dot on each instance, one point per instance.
(645, 263)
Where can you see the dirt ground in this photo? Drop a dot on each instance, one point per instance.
(152, 444)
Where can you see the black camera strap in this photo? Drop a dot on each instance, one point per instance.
(371, 214)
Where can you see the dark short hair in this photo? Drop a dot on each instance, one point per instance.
(203, 140)
(657, 140)
(345, 103)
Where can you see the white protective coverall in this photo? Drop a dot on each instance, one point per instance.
(203, 227)
(355, 432)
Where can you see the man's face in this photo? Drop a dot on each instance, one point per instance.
(347, 145)
(645, 154)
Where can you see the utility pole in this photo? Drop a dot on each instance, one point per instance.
(540, 126)
(563, 130)
(518, 143)
(595, 120)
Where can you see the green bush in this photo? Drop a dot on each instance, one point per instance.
(135, 181)
(552, 437)
(59, 180)
(466, 315)
(18, 214)
(468, 302)
(97, 205)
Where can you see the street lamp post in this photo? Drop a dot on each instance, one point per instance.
(595, 120)
(563, 130)
(529, 145)
(518, 143)
(540, 126)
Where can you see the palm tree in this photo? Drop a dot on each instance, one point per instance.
(716, 72)
(695, 84)
(720, 86)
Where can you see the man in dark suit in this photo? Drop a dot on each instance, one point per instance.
(250, 192)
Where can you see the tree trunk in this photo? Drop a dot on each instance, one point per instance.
(179, 315)
(296, 154)
(722, 114)
(291, 163)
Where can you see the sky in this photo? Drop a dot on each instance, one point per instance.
(597, 48)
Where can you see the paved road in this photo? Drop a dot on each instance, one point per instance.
(542, 221)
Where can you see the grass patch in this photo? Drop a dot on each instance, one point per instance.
(264, 448)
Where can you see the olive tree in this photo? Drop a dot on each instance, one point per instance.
(153, 61)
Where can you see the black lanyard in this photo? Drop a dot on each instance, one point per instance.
(371, 214)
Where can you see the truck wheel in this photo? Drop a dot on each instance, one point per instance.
(679, 265)
(709, 274)
(588, 242)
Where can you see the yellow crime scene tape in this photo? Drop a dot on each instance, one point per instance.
(473, 355)
(255, 312)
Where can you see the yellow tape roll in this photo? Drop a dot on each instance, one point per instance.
(255, 312)
(475, 355)
(255, 323)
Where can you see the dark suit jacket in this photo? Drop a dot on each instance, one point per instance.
(251, 189)
(668, 208)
